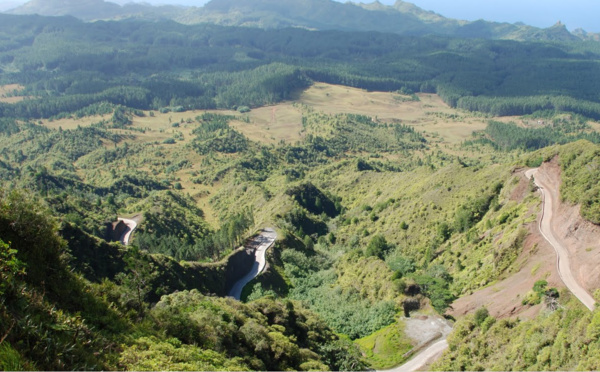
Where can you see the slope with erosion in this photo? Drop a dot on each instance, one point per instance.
(536, 260)
(569, 273)
(570, 175)
(563, 335)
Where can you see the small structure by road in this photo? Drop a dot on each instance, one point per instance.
(260, 243)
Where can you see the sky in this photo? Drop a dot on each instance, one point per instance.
(540, 13)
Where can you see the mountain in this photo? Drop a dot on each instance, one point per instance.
(582, 34)
(84, 9)
(401, 18)
(90, 10)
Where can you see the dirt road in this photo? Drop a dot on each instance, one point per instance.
(431, 333)
(424, 358)
(550, 195)
(262, 241)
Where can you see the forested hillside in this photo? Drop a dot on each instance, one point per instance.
(391, 202)
(165, 65)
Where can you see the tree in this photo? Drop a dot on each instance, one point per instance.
(136, 279)
(481, 315)
(342, 355)
(308, 243)
(401, 264)
(10, 267)
(378, 247)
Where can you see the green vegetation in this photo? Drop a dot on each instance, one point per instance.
(377, 216)
(580, 179)
(342, 306)
(512, 137)
(184, 330)
(386, 347)
(565, 339)
(182, 67)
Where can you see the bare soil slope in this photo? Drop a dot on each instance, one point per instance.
(581, 237)
(538, 258)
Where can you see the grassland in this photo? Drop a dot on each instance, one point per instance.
(10, 93)
(386, 347)
(282, 123)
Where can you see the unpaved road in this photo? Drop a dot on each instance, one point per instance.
(431, 332)
(262, 242)
(424, 358)
(550, 196)
(131, 225)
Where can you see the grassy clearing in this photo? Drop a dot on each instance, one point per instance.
(386, 347)
(272, 124)
(7, 93)
(429, 114)
(72, 123)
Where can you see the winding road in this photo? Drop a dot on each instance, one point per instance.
(261, 243)
(131, 225)
(549, 201)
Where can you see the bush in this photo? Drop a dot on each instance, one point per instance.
(378, 247)
(401, 264)
(481, 315)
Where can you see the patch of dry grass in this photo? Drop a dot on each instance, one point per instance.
(272, 124)
(7, 90)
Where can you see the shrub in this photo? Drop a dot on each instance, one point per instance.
(169, 141)
(378, 247)
(481, 315)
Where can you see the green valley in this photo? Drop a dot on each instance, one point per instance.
(393, 169)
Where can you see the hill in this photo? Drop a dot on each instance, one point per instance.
(207, 66)
(90, 10)
(402, 18)
(392, 166)
(380, 214)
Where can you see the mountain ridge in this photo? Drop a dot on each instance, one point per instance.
(402, 18)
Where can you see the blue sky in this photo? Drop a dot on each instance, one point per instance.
(540, 13)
